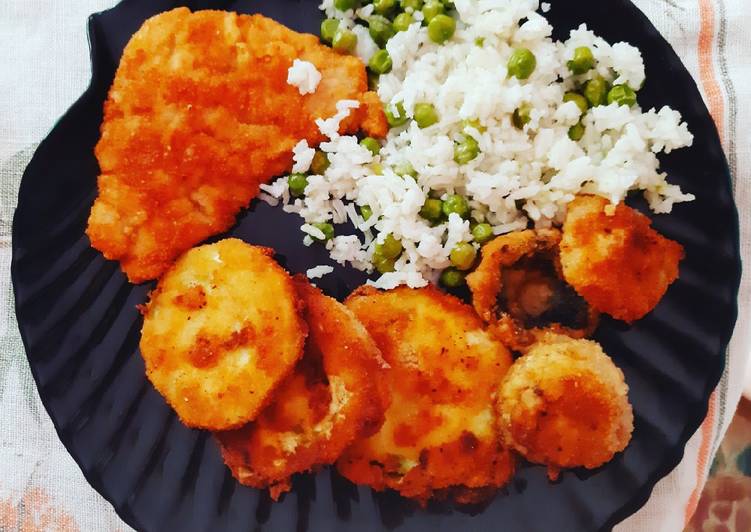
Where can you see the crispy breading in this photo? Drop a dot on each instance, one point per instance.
(440, 434)
(565, 404)
(222, 329)
(199, 115)
(618, 263)
(333, 397)
(517, 289)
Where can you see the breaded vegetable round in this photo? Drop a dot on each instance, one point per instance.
(334, 395)
(440, 436)
(565, 404)
(221, 330)
(517, 289)
(617, 262)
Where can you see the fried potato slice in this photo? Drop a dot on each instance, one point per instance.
(199, 115)
(440, 436)
(565, 404)
(333, 396)
(518, 290)
(618, 263)
(220, 332)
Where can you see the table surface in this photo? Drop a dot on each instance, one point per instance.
(44, 67)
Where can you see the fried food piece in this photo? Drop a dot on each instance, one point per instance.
(618, 263)
(565, 404)
(332, 397)
(222, 329)
(440, 436)
(199, 115)
(517, 289)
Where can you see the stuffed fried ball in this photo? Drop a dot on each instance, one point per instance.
(565, 404)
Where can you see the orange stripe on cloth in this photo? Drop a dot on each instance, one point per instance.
(707, 76)
(716, 103)
(702, 465)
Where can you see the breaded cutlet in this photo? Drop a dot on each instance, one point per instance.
(199, 115)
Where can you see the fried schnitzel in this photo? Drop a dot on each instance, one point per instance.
(617, 262)
(332, 397)
(199, 115)
(222, 329)
(440, 435)
(565, 404)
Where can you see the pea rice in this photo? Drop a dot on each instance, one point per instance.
(513, 146)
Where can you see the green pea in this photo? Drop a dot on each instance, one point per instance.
(463, 256)
(441, 28)
(383, 264)
(622, 95)
(425, 115)
(522, 63)
(475, 123)
(326, 228)
(320, 163)
(371, 144)
(403, 21)
(344, 5)
(466, 150)
(297, 184)
(582, 62)
(596, 91)
(328, 29)
(456, 204)
(414, 5)
(381, 29)
(344, 41)
(405, 169)
(576, 132)
(384, 7)
(396, 119)
(521, 116)
(372, 80)
(452, 278)
(482, 233)
(432, 210)
(390, 248)
(432, 9)
(380, 62)
(366, 212)
(580, 101)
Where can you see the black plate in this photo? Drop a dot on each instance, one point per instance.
(80, 327)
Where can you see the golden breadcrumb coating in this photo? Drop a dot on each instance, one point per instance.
(199, 115)
(440, 436)
(517, 289)
(565, 404)
(221, 330)
(332, 397)
(618, 263)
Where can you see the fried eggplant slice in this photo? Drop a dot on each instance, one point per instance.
(199, 115)
(518, 290)
(334, 396)
(440, 434)
(617, 262)
(565, 404)
(222, 329)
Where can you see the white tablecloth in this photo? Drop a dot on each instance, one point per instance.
(44, 67)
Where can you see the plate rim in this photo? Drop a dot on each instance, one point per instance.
(641, 494)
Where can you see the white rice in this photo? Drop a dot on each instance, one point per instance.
(319, 271)
(304, 75)
(521, 178)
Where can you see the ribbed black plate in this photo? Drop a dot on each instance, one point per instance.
(81, 329)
